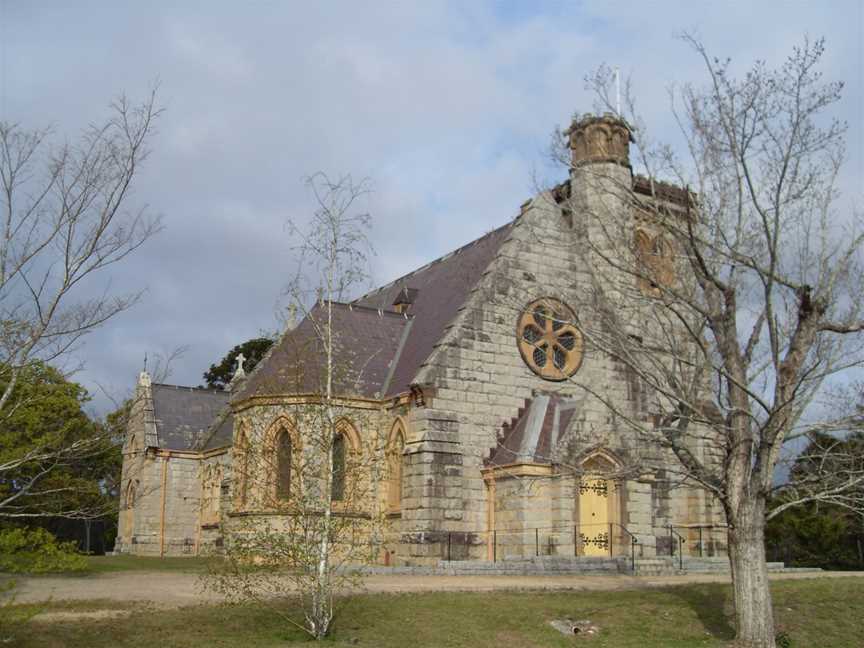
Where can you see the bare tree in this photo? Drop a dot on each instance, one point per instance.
(316, 478)
(64, 223)
(734, 293)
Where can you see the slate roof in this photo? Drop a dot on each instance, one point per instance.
(221, 432)
(533, 435)
(366, 342)
(438, 290)
(184, 415)
(382, 349)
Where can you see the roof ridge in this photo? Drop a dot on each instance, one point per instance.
(434, 261)
(209, 390)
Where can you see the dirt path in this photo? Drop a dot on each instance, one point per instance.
(175, 589)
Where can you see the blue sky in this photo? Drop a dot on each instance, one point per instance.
(446, 106)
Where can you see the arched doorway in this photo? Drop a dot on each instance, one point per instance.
(598, 506)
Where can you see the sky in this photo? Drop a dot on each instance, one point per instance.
(447, 108)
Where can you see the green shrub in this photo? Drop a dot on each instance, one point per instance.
(35, 551)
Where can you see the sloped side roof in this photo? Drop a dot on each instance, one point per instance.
(183, 415)
(221, 432)
(438, 290)
(366, 342)
(534, 435)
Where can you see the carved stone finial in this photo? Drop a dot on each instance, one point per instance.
(239, 374)
(144, 379)
(240, 371)
(596, 139)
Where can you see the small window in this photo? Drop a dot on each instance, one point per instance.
(241, 477)
(337, 492)
(284, 452)
(394, 486)
(215, 491)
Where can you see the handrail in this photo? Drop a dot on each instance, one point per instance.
(633, 542)
(681, 541)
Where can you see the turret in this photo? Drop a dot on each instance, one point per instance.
(598, 139)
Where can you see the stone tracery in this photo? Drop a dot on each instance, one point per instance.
(548, 339)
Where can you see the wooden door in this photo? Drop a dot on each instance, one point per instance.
(594, 517)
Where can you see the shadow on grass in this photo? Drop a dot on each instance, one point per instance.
(709, 603)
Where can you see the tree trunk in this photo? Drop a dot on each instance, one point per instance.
(754, 617)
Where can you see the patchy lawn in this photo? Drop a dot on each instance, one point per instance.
(124, 563)
(819, 612)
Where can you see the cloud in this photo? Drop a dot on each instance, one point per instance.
(446, 106)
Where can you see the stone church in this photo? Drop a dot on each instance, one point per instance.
(471, 371)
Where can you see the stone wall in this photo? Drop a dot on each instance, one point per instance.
(476, 380)
(167, 509)
(215, 505)
(534, 516)
(365, 480)
(480, 380)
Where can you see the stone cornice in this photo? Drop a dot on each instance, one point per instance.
(190, 454)
(522, 469)
(317, 399)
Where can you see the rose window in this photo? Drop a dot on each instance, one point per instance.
(548, 339)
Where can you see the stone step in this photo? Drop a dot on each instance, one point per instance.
(658, 566)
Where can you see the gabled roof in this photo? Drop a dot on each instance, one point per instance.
(533, 436)
(438, 290)
(183, 415)
(380, 350)
(366, 341)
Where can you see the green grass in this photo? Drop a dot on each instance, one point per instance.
(126, 563)
(820, 612)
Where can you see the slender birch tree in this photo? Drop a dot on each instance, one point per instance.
(317, 478)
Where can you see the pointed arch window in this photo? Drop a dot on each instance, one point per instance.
(394, 464)
(131, 493)
(241, 479)
(127, 516)
(210, 494)
(284, 457)
(215, 491)
(655, 262)
(206, 493)
(337, 492)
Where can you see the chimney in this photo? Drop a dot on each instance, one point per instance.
(596, 139)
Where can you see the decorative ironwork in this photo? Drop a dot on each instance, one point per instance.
(600, 488)
(548, 339)
(601, 540)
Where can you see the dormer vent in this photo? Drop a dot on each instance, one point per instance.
(405, 299)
